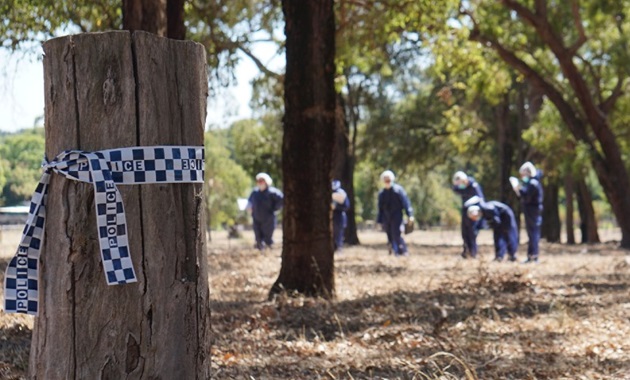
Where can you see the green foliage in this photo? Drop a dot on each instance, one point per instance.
(429, 193)
(463, 65)
(29, 23)
(366, 185)
(564, 155)
(227, 27)
(233, 158)
(424, 96)
(227, 181)
(21, 155)
(224, 27)
(408, 130)
(375, 36)
(257, 146)
(434, 203)
(4, 168)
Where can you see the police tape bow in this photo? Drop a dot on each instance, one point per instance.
(104, 169)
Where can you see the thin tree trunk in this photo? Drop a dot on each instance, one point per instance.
(505, 147)
(351, 110)
(104, 91)
(351, 236)
(588, 220)
(568, 191)
(307, 147)
(343, 167)
(550, 228)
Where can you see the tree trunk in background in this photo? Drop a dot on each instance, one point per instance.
(343, 167)
(351, 111)
(505, 147)
(175, 27)
(587, 118)
(147, 15)
(162, 17)
(588, 220)
(111, 90)
(551, 227)
(351, 236)
(568, 191)
(307, 148)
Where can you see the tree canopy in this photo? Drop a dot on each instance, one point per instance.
(428, 88)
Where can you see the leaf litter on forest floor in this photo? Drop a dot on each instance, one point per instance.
(430, 316)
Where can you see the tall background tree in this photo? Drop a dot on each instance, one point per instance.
(577, 65)
(307, 147)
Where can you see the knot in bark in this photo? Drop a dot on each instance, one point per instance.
(109, 88)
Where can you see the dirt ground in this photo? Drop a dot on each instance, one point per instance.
(431, 315)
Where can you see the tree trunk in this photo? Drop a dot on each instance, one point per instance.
(111, 90)
(351, 237)
(307, 147)
(147, 15)
(505, 147)
(175, 27)
(351, 110)
(588, 220)
(343, 167)
(550, 228)
(568, 190)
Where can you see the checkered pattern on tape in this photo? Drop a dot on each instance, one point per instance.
(130, 166)
(104, 169)
(20, 281)
(111, 223)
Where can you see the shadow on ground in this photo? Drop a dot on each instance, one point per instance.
(489, 325)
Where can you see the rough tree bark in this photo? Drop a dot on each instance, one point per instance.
(569, 185)
(147, 15)
(175, 27)
(110, 90)
(307, 147)
(588, 220)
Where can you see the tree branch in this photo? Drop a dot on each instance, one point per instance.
(538, 21)
(596, 118)
(568, 113)
(608, 104)
(596, 78)
(577, 21)
(261, 66)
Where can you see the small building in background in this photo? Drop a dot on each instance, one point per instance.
(13, 215)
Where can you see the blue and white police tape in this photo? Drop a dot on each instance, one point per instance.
(104, 169)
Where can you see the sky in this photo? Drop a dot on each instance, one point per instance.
(22, 90)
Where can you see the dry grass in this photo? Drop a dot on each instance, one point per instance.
(427, 316)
